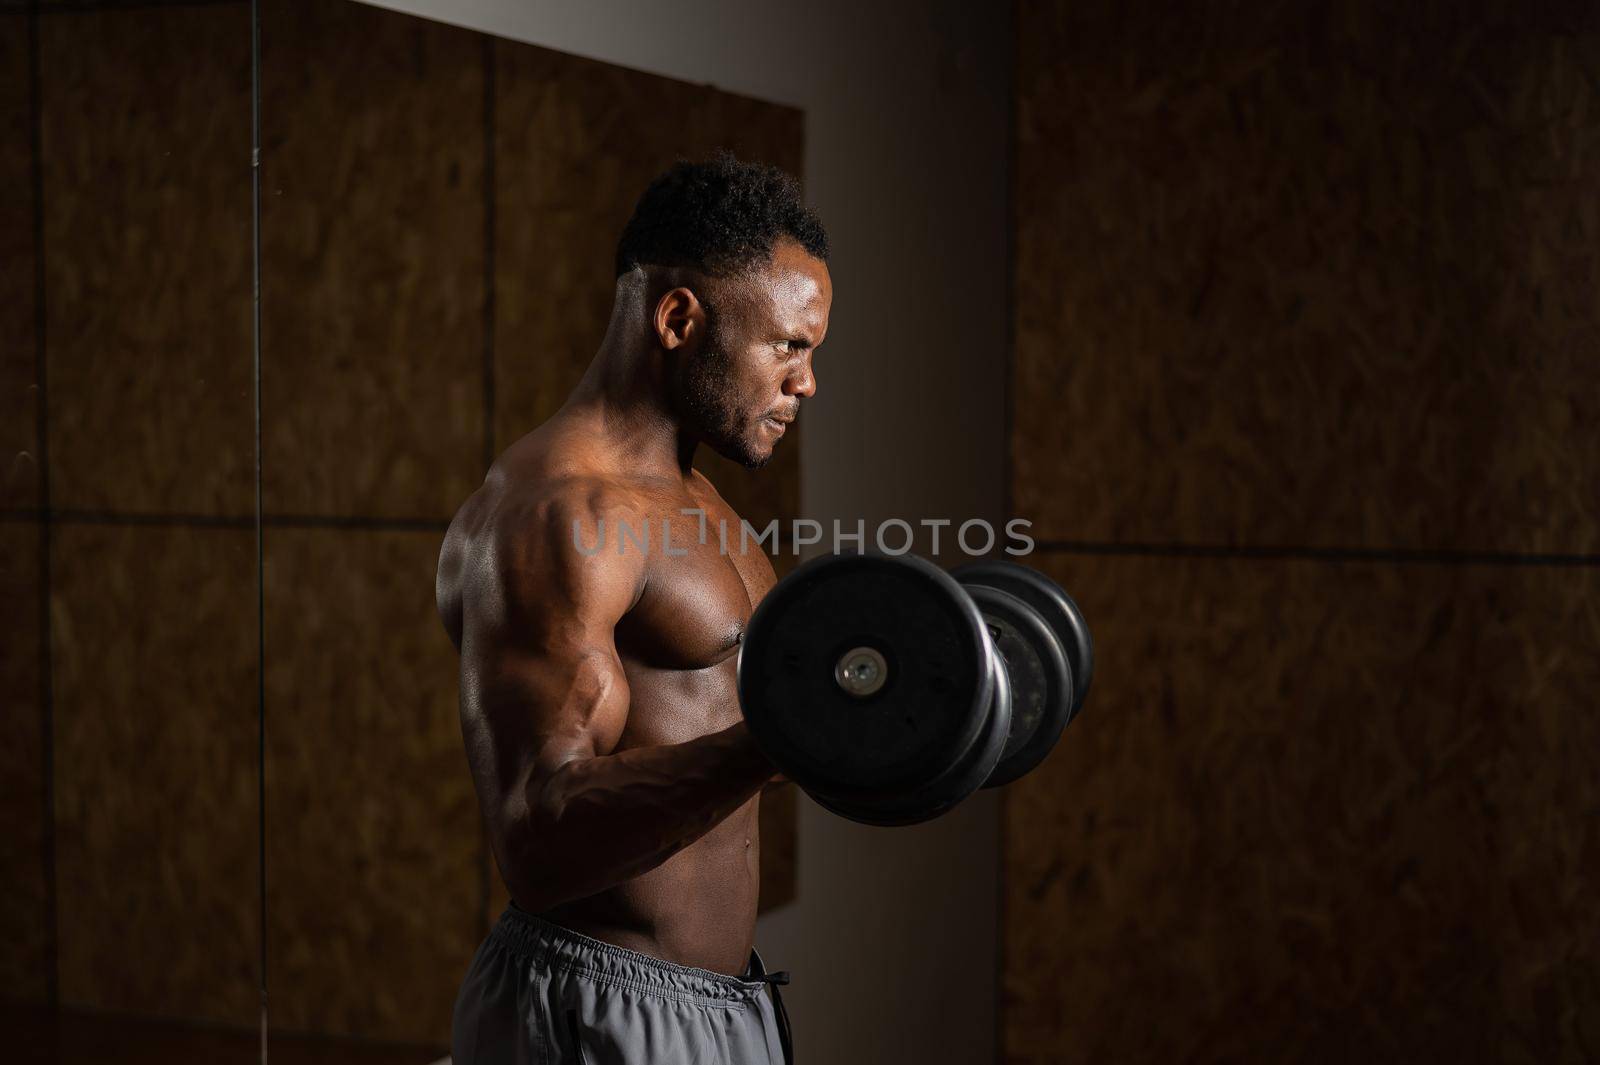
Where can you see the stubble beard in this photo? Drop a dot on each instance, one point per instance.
(707, 398)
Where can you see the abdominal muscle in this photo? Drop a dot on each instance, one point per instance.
(697, 908)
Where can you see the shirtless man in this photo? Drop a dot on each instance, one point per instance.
(598, 700)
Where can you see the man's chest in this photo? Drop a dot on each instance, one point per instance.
(701, 587)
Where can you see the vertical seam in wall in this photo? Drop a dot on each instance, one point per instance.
(47, 750)
(261, 593)
(488, 380)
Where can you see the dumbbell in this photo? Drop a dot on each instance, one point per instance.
(891, 690)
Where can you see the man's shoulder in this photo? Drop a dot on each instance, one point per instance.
(545, 509)
(533, 543)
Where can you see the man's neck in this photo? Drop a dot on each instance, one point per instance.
(620, 393)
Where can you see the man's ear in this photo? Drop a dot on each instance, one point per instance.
(680, 319)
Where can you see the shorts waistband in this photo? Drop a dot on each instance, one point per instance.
(545, 943)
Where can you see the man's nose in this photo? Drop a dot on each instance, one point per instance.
(801, 381)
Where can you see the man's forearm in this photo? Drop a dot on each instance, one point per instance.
(597, 822)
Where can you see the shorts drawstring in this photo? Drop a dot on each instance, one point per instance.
(758, 971)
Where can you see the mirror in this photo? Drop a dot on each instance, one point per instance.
(130, 789)
(438, 213)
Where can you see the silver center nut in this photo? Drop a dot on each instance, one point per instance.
(861, 671)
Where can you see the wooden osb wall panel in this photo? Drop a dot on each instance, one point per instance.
(24, 905)
(154, 676)
(1308, 274)
(19, 401)
(373, 261)
(147, 226)
(89, 1037)
(372, 826)
(24, 928)
(1318, 812)
(576, 142)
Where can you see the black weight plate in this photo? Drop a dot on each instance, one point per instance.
(1041, 680)
(1053, 604)
(939, 797)
(904, 736)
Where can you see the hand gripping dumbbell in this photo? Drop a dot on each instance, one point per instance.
(890, 690)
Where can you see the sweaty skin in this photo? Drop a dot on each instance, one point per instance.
(598, 701)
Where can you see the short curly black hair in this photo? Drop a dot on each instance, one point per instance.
(720, 216)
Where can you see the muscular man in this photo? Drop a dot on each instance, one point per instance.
(598, 699)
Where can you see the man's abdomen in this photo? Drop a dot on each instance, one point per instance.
(697, 908)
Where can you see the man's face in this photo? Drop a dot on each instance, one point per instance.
(743, 385)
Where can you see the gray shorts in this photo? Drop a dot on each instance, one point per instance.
(540, 994)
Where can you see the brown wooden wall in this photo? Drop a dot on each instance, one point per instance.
(129, 652)
(438, 215)
(25, 903)
(1305, 391)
